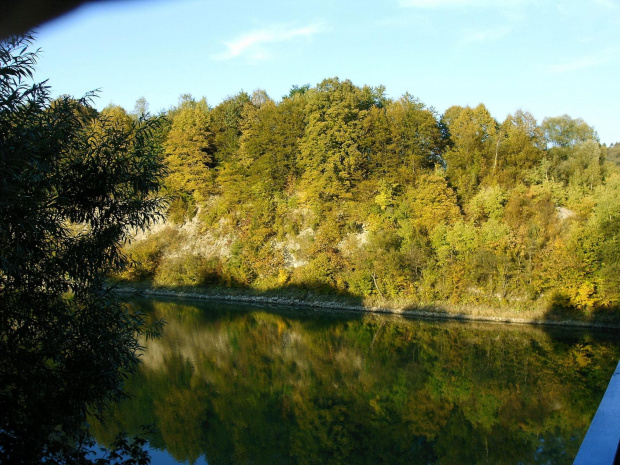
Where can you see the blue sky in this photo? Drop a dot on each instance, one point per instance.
(545, 57)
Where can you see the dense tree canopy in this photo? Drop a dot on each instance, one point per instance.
(340, 188)
(74, 186)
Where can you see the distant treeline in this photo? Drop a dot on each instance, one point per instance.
(338, 188)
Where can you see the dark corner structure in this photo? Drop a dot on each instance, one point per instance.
(602, 442)
(20, 16)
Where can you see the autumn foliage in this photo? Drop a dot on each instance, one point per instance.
(339, 188)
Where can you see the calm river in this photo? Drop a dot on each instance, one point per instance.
(227, 384)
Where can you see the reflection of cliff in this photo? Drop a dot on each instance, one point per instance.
(265, 388)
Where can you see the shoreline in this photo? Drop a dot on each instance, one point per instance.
(326, 305)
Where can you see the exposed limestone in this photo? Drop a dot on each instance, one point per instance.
(564, 213)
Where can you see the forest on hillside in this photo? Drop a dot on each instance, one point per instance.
(338, 189)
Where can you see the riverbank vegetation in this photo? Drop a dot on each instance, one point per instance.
(340, 190)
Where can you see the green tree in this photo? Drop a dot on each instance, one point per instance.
(330, 155)
(563, 135)
(430, 202)
(189, 150)
(73, 187)
(141, 107)
(117, 116)
(226, 125)
(613, 153)
(564, 131)
(585, 166)
(270, 143)
(416, 136)
(471, 157)
(518, 148)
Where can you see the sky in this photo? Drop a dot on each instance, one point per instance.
(546, 57)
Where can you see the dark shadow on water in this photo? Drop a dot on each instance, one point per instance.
(306, 301)
(299, 302)
(560, 309)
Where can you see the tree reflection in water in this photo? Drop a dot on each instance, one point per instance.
(253, 386)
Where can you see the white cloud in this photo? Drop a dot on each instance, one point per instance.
(591, 61)
(251, 44)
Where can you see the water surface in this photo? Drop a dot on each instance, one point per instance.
(235, 385)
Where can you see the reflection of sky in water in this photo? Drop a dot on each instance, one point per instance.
(162, 457)
(158, 457)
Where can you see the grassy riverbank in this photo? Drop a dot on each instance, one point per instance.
(535, 313)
